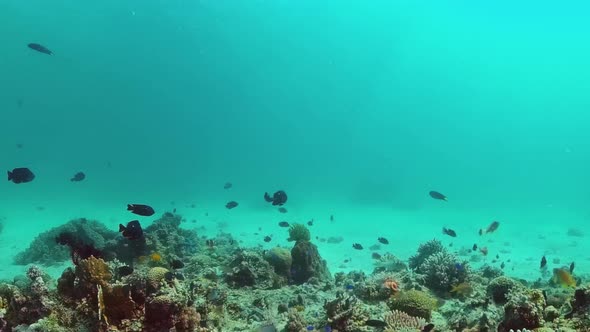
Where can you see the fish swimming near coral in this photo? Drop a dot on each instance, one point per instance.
(449, 232)
(428, 328)
(572, 266)
(491, 228)
(80, 176)
(357, 246)
(283, 224)
(278, 198)
(141, 209)
(231, 205)
(132, 231)
(543, 262)
(21, 175)
(437, 195)
(282, 210)
(462, 289)
(40, 48)
(474, 248)
(564, 278)
(383, 240)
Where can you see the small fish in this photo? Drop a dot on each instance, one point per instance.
(484, 251)
(331, 217)
(179, 276)
(169, 276)
(349, 287)
(21, 175)
(491, 228)
(383, 240)
(310, 328)
(267, 238)
(376, 323)
(210, 243)
(437, 195)
(40, 48)
(376, 255)
(231, 205)
(497, 256)
(278, 198)
(459, 266)
(124, 270)
(283, 224)
(357, 246)
(227, 185)
(176, 264)
(141, 209)
(310, 223)
(502, 266)
(78, 177)
(572, 266)
(132, 231)
(449, 232)
(282, 210)
(543, 262)
(474, 247)
(564, 278)
(428, 327)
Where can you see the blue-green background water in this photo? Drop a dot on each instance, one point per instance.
(347, 105)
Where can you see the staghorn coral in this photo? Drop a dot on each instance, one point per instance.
(298, 232)
(414, 302)
(424, 251)
(400, 321)
(441, 272)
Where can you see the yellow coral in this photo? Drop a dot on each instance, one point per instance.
(414, 302)
(155, 276)
(94, 270)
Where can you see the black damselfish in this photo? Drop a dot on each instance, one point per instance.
(40, 48)
(21, 175)
(278, 198)
(132, 231)
(140, 209)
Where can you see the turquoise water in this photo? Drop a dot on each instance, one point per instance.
(355, 109)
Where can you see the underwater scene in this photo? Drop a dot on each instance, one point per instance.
(291, 166)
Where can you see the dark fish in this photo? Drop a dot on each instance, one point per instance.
(491, 228)
(282, 210)
(572, 266)
(428, 327)
(449, 232)
(357, 246)
(140, 209)
(310, 223)
(502, 265)
(383, 240)
(497, 256)
(474, 247)
(132, 231)
(40, 48)
(284, 224)
(169, 276)
(375, 255)
(124, 270)
(437, 195)
(376, 323)
(278, 198)
(21, 175)
(78, 177)
(543, 262)
(179, 276)
(331, 217)
(176, 264)
(267, 238)
(227, 185)
(231, 205)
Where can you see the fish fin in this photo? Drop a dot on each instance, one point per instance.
(129, 207)
(121, 228)
(9, 175)
(267, 197)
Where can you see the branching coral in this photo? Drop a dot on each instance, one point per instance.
(400, 321)
(441, 272)
(500, 287)
(424, 251)
(298, 232)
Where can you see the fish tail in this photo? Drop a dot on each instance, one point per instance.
(129, 207)
(121, 227)
(9, 175)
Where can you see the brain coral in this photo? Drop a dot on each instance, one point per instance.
(414, 302)
(155, 276)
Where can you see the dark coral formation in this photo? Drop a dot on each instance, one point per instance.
(307, 263)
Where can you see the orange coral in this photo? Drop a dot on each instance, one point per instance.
(94, 271)
(391, 284)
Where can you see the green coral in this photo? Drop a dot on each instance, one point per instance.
(298, 232)
(414, 303)
(500, 287)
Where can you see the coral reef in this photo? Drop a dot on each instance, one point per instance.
(500, 287)
(425, 250)
(307, 263)
(442, 272)
(400, 321)
(414, 302)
